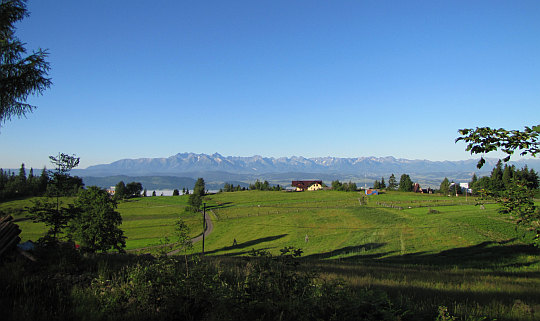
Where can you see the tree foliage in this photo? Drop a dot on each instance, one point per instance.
(120, 191)
(483, 140)
(20, 75)
(345, 187)
(231, 188)
(55, 217)
(392, 183)
(52, 212)
(502, 179)
(517, 200)
(514, 192)
(405, 183)
(195, 198)
(96, 223)
(62, 183)
(444, 188)
(134, 189)
(262, 186)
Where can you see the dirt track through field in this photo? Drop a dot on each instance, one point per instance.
(209, 228)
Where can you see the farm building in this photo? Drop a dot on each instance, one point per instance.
(418, 189)
(307, 185)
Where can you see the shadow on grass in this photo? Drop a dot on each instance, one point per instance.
(247, 244)
(351, 250)
(484, 255)
(219, 206)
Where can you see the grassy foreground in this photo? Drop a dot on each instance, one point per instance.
(423, 250)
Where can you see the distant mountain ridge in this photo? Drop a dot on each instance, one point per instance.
(182, 163)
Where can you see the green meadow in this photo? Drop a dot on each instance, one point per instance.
(147, 222)
(425, 251)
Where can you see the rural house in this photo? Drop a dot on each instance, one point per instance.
(307, 185)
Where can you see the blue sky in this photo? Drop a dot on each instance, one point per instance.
(138, 79)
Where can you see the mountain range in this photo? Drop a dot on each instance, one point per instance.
(220, 169)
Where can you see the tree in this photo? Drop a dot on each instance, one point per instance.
(120, 191)
(508, 175)
(337, 186)
(473, 182)
(382, 184)
(517, 198)
(134, 189)
(497, 183)
(444, 188)
(199, 187)
(43, 181)
(195, 199)
(483, 140)
(96, 224)
(405, 183)
(184, 240)
(144, 193)
(154, 193)
(376, 184)
(56, 218)
(62, 182)
(392, 183)
(21, 181)
(176, 192)
(20, 75)
(49, 211)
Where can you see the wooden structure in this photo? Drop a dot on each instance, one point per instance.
(9, 234)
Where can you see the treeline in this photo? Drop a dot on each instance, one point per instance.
(22, 185)
(231, 188)
(502, 178)
(405, 183)
(345, 187)
(264, 186)
(257, 186)
(123, 191)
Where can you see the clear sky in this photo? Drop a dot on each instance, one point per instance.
(310, 78)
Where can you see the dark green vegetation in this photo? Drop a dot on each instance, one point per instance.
(501, 179)
(20, 75)
(195, 199)
(344, 187)
(423, 251)
(405, 183)
(69, 286)
(483, 140)
(514, 190)
(149, 182)
(123, 191)
(96, 223)
(48, 183)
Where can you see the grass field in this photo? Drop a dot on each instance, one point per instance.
(147, 222)
(338, 226)
(424, 250)
(470, 259)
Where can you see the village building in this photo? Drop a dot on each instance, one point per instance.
(307, 185)
(418, 189)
